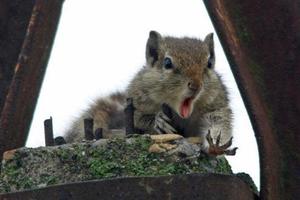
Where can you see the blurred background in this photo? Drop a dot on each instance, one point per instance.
(99, 47)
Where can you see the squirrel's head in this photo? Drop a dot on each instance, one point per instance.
(180, 66)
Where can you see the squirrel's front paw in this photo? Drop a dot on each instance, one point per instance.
(216, 149)
(162, 124)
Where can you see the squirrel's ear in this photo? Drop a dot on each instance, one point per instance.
(153, 47)
(209, 41)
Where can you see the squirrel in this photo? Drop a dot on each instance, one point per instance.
(177, 91)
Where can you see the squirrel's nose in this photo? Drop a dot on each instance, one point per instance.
(193, 86)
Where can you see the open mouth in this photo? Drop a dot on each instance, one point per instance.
(186, 107)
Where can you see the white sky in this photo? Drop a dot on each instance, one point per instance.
(99, 47)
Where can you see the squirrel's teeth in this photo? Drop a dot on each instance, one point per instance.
(185, 108)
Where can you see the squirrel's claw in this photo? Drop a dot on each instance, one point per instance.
(161, 124)
(215, 149)
(231, 152)
(227, 144)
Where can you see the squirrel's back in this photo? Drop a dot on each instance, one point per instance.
(107, 112)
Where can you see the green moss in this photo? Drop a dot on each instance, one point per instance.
(121, 159)
(13, 175)
(48, 179)
(223, 166)
(87, 161)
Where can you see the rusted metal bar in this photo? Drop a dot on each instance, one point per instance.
(88, 129)
(14, 19)
(262, 43)
(48, 125)
(28, 72)
(193, 186)
(129, 117)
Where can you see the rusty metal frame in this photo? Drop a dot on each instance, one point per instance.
(192, 186)
(22, 79)
(261, 41)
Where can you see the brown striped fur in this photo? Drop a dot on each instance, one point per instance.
(107, 113)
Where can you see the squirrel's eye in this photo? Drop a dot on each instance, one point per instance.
(168, 63)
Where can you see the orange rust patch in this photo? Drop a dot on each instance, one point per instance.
(8, 155)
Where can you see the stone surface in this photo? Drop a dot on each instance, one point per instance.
(32, 168)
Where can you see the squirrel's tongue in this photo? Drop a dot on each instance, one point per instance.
(185, 107)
